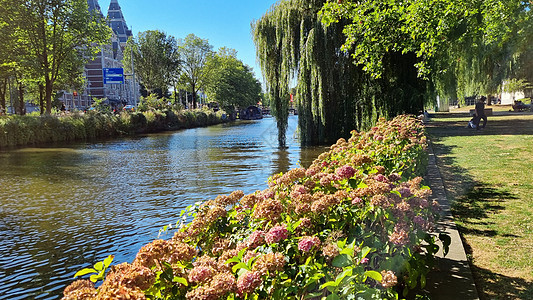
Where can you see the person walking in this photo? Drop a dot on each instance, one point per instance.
(480, 112)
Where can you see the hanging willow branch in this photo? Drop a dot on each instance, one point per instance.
(333, 95)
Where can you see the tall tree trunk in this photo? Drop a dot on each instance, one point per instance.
(193, 86)
(3, 89)
(41, 98)
(48, 96)
(22, 105)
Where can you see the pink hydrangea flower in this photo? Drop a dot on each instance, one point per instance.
(312, 171)
(419, 221)
(394, 177)
(298, 190)
(405, 192)
(276, 234)
(200, 274)
(256, 239)
(380, 178)
(346, 172)
(248, 282)
(307, 243)
(399, 237)
(357, 201)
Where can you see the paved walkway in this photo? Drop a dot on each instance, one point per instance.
(453, 278)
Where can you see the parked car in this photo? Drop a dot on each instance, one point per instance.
(130, 108)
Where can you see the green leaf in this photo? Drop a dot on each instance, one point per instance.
(374, 275)
(341, 276)
(362, 185)
(84, 272)
(422, 281)
(233, 259)
(405, 292)
(94, 278)
(292, 227)
(108, 261)
(99, 266)
(396, 192)
(342, 260)
(333, 297)
(240, 265)
(329, 284)
(180, 280)
(364, 252)
(352, 182)
(341, 243)
(313, 295)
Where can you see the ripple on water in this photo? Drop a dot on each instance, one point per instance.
(68, 208)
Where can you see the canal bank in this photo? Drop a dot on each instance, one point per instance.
(65, 208)
(32, 130)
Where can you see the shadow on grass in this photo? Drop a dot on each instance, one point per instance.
(474, 202)
(507, 124)
(498, 286)
(479, 202)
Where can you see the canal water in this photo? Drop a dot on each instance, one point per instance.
(65, 208)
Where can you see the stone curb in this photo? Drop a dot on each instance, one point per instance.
(453, 278)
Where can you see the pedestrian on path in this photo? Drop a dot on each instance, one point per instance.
(480, 112)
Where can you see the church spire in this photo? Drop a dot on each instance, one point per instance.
(94, 6)
(117, 22)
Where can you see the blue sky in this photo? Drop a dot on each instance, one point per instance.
(225, 23)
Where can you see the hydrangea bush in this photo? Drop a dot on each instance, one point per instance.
(356, 224)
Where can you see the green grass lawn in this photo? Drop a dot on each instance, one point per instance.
(489, 179)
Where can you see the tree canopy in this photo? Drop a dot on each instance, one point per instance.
(194, 52)
(354, 61)
(464, 47)
(155, 59)
(333, 95)
(231, 83)
(53, 40)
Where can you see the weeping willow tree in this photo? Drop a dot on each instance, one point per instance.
(333, 95)
(461, 47)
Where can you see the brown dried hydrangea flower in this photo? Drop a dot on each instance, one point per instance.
(388, 279)
(269, 263)
(80, 289)
(269, 210)
(330, 250)
(126, 281)
(162, 250)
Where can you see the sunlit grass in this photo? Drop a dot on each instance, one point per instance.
(489, 177)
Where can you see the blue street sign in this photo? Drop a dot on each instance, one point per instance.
(113, 76)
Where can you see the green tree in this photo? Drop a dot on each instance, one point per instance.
(194, 53)
(231, 83)
(13, 54)
(155, 58)
(333, 95)
(59, 34)
(461, 46)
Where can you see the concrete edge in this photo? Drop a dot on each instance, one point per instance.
(453, 278)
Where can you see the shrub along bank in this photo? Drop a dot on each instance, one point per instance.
(357, 224)
(33, 130)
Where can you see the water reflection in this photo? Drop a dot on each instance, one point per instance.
(63, 209)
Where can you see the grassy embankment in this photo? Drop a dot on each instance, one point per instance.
(34, 130)
(488, 176)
